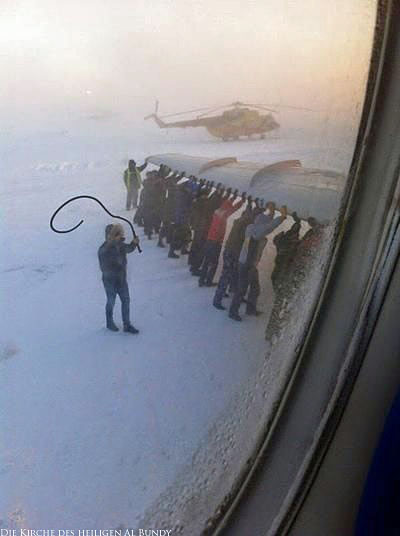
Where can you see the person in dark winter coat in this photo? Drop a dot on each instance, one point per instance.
(215, 239)
(112, 258)
(250, 255)
(168, 209)
(161, 193)
(297, 271)
(153, 196)
(196, 218)
(181, 234)
(287, 244)
(133, 183)
(233, 246)
(306, 253)
(138, 217)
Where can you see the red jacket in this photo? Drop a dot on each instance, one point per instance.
(217, 229)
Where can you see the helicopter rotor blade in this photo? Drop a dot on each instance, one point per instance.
(183, 113)
(261, 107)
(210, 111)
(294, 107)
(238, 104)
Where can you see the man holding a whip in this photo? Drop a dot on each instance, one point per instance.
(112, 258)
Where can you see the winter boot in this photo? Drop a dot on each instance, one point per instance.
(219, 306)
(130, 329)
(160, 243)
(110, 325)
(235, 316)
(253, 312)
(172, 254)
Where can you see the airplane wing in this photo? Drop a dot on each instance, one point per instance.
(309, 192)
(228, 171)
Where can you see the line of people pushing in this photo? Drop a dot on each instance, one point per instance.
(195, 213)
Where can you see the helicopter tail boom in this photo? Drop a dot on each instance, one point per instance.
(179, 124)
(159, 121)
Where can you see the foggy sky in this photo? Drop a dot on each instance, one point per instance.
(72, 56)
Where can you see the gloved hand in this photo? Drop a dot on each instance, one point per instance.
(283, 211)
(295, 217)
(271, 207)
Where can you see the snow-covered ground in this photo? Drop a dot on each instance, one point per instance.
(97, 425)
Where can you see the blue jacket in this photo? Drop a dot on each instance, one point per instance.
(256, 238)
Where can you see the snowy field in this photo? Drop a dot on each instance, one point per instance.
(97, 425)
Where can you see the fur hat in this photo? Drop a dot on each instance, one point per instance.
(116, 230)
(108, 229)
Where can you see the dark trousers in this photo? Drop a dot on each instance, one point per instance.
(151, 220)
(138, 218)
(114, 286)
(212, 251)
(196, 255)
(180, 236)
(248, 277)
(229, 276)
(166, 231)
(131, 197)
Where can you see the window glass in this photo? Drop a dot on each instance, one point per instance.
(106, 429)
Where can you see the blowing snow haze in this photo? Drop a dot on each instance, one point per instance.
(102, 430)
(93, 59)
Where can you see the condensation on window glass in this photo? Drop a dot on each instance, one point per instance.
(116, 430)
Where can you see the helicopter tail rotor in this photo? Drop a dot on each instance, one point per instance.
(155, 114)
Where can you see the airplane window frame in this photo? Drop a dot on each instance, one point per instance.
(351, 299)
(296, 394)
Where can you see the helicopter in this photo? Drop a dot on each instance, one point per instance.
(235, 120)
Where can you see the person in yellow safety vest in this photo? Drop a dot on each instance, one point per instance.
(133, 183)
